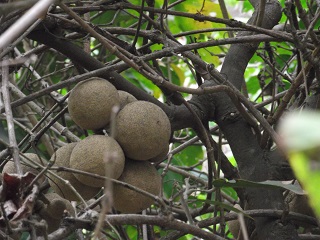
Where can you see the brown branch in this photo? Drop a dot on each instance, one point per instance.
(13, 148)
(135, 219)
(292, 90)
(197, 17)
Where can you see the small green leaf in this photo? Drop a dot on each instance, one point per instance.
(170, 180)
(179, 74)
(209, 55)
(189, 156)
(252, 81)
(197, 7)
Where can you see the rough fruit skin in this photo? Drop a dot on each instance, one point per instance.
(53, 212)
(53, 199)
(90, 103)
(89, 154)
(56, 208)
(26, 165)
(141, 128)
(62, 158)
(300, 204)
(161, 156)
(125, 98)
(140, 174)
(234, 225)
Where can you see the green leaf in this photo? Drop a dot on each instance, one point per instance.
(196, 6)
(247, 6)
(178, 75)
(308, 173)
(63, 91)
(233, 161)
(189, 156)
(132, 232)
(170, 180)
(209, 55)
(104, 18)
(143, 83)
(231, 192)
(252, 81)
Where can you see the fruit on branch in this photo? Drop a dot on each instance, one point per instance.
(54, 209)
(90, 103)
(299, 204)
(141, 129)
(234, 228)
(234, 225)
(142, 132)
(27, 165)
(125, 98)
(56, 206)
(161, 156)
(97, 154)
(61, 158)
(142, 175)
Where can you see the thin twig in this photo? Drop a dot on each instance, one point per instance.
(11, 132)
(18, 40)
(20, 26)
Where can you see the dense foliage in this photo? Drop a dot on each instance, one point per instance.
(226, 73)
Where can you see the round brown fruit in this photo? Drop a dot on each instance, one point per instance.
(141, 127)
(300, 204)
(54, 210)
(125, 98)
(89, 156)
(52, 223)
(56, 205)
(90, 103)
(160, 157)
(54, 200)
(141, 175)
(27, 165)
(234, 225)
(61, 158)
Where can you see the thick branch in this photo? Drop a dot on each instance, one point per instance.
(135, 219)
(76, 54)
(253, 162)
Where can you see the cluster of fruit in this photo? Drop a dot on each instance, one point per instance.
(142, 133)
